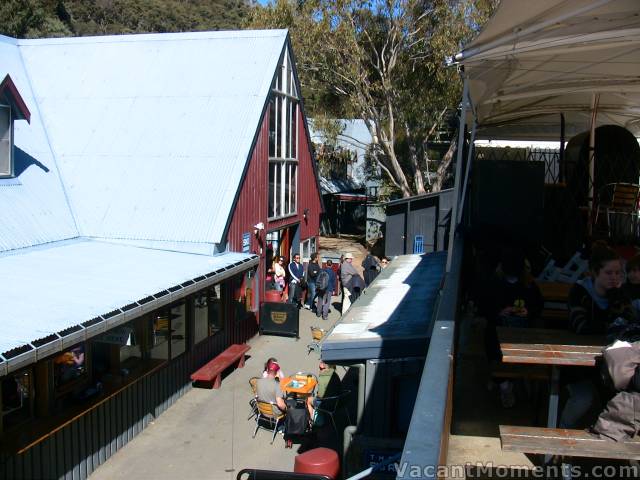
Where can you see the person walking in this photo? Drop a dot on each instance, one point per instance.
(347, 271)
(312, 273)
(325, 285)
(296, 274)
(371, 269)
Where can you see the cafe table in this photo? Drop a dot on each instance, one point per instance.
(537, 346)
(298, 384)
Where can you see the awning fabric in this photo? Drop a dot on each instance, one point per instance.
(59, 294)
(537, 59)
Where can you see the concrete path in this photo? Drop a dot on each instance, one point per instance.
(206, 434)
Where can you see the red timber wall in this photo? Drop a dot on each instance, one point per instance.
(252, 203)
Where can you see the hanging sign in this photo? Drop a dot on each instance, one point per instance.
(246, 242)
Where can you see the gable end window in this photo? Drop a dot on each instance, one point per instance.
(283, 145)
(6, 142)
(12, 107)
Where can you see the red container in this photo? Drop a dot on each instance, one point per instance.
(321, 461)
(272, 296)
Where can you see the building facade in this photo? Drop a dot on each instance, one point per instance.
(143, 197)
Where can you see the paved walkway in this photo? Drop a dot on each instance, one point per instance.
(206, 433)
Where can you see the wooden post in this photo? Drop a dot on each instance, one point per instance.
(44, 388)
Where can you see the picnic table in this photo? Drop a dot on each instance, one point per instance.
(555, 291)
(555, 296)
(537, 346)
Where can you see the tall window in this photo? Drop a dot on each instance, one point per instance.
(283, 145)
(6, 150)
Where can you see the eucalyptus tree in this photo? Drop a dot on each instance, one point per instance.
(382, 61)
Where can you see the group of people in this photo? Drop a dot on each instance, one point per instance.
(268, 389)
(320, 282)
(606, 302)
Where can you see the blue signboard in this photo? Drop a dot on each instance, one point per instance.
(246, 242)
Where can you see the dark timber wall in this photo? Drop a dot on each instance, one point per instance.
(78, 447)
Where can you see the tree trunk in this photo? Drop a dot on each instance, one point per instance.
(441, 172)
(417, 173)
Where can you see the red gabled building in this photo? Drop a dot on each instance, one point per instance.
(278, 205)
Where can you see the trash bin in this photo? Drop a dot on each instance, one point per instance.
(273, 296)
(319, 461)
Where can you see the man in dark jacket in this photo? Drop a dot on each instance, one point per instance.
(312, 272)
(296, 274)
(324, 294)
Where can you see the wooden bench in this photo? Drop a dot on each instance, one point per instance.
(212, 371)
(560, 441)
(511, 370)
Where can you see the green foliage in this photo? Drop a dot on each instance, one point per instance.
(382, 61)
(54, 18)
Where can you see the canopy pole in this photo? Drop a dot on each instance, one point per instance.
(595, 99)
(466, 172)
(561, 158)
(457, 180)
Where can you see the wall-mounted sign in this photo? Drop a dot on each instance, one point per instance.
(246, 242)
(118, 336)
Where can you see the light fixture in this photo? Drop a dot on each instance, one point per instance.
(305, 213)
(257, 227)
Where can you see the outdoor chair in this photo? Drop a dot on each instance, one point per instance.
(331, 406)
(269, 418)
(618, 199)
(253, 403)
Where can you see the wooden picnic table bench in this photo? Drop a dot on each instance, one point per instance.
(560, 441)
(538, 346)
(555, 296)
(212, 371)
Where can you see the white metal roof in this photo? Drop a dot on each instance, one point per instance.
(152, 132)
(537, 59)
(51, 288)
(33, 207)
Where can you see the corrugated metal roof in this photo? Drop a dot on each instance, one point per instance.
(34, 208)
(51, 288)
(152, 132)
(392, 318)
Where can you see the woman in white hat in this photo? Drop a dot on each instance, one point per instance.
(347, 271)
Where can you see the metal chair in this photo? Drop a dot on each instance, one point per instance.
(253, 382)
(621, 199)
(332, 405)
(268, 418)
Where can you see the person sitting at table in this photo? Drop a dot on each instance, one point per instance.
(514, 301)
(329, 385)
(596, 305)
(632, 286)
(268, 389)
(279, 373)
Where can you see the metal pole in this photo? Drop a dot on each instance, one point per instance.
(456, 188)
(466, 172)
(592, 153)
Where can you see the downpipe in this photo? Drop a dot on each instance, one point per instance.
(350, 430)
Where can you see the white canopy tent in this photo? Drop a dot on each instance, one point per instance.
(537, 59)
(537, 62)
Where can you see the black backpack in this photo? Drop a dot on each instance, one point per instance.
(322, 280)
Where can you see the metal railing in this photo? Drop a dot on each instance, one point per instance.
(427, 438)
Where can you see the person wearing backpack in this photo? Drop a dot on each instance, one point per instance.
(325, 284)
(312, 273)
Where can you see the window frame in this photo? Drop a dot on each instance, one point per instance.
(284, 105)
(10, 173)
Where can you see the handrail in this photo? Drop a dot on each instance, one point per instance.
(429, 413)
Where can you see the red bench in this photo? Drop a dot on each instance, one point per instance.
(212, 371)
